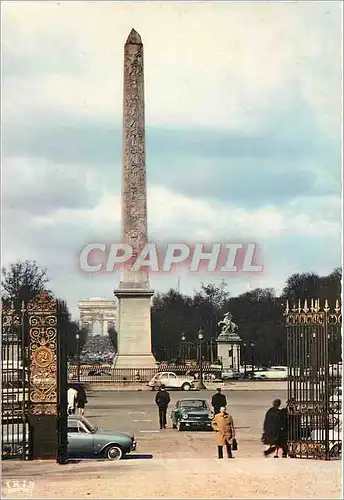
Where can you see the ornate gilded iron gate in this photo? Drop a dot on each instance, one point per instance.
(314, 380)
(34, 381)
(15, 433)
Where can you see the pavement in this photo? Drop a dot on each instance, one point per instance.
(172, 464)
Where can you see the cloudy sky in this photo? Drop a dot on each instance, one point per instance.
(242, 122)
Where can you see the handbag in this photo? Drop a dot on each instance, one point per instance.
(235, 445)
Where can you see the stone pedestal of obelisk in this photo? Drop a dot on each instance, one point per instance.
(134, 294)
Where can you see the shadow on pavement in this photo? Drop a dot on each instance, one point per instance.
(139, 457)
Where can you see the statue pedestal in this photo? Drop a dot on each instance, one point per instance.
(228, 350)
(134, 329)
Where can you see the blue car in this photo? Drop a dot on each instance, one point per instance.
(88, 441)
(191, 414)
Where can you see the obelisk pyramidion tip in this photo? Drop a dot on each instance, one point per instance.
(134, 38)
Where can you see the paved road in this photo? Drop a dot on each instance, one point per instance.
(182, 464)
(136, 412)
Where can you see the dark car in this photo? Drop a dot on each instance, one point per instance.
(192, 414)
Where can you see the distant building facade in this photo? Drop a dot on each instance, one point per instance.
(97, 315)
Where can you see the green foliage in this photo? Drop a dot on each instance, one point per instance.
(71, 329)
(23, 281)
(258, 314)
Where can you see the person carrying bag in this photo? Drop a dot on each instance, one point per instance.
(223, 425)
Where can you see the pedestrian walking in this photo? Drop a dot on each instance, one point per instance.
(162, 400)
(273, 429)
(81, 399)
(71, 400)
(223, 424)
(218, 401)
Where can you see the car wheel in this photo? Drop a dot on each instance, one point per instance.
(113, 452)
(180, 426)
(186, 386)
(156, 388)
(20, 449)
(336, 451)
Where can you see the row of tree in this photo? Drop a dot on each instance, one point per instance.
(258, 313)
(22, 282)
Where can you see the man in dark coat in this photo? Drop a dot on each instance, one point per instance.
(81, 399)
(272, 429)
(162, 400)
(218, 401)
(284, 432)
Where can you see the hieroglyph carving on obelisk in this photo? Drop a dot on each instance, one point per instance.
(134, 195)
(134, 295)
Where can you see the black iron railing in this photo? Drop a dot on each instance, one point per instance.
(314, 380)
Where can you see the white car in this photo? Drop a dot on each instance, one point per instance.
(273, 373)
(15, 393)
(336, 400)
(335, 436)
(171, 381)
(230, 374)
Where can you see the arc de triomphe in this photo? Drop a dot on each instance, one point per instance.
(96, 314)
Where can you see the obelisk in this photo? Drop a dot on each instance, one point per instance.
(134, 294)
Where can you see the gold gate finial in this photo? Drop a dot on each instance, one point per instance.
(305, 307)
(326, 306)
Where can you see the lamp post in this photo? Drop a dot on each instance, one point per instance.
(212, 343)
(77, 336)
(245, 360)
(183, 339)
(252, 357)
(200, 385)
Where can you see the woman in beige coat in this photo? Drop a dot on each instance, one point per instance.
(225, 432)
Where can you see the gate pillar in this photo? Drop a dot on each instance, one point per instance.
(44, 394)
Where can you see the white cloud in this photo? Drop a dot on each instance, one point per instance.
(205, 63)
(220, 64)
(40, 186)
(170, 213)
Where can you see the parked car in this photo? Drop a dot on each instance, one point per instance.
(335, 436)
(230, 374)
(273, 373)
(336, 400)
(191, 413)
(336, 370)
(99, 372)
(85, 441)
(88, 441)
(13, 443)
(171, 381)
(14, 393)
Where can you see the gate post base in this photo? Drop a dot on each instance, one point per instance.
(43, 436)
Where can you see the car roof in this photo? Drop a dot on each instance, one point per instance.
(192, 399)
